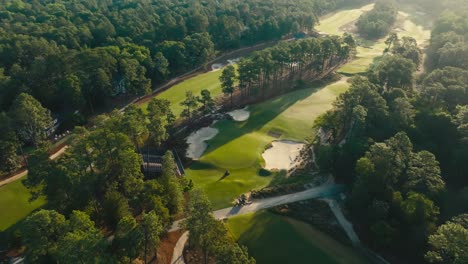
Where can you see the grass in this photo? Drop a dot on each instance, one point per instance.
(239, 145)
(15, 205)
(275, 239)
(176, 94)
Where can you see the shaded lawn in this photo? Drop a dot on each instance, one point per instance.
(14, 204)
(239, 145)
(275, 239)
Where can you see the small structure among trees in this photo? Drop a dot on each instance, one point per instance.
(152, 166)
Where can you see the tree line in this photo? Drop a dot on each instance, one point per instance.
(78, 55)
(378, 22)
(401, 143)
(98, 185)
(283, 66)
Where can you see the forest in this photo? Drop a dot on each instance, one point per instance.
(401, 142)
(398, 137)
(74, 59)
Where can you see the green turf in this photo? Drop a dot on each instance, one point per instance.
(14, 204)
(239, 145)
(176, 94)
(274, 239)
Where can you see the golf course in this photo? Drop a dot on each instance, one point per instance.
(238, 147)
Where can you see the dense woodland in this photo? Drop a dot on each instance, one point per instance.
(377, 22)
(401, 142)
(74, 58)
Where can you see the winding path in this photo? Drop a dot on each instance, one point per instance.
(23, 173)
(326, 190)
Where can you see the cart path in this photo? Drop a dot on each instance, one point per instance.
(23, 173)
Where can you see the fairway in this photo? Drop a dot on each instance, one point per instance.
(275, 239)
(176, 93)
(14, 204)
(239, 145)
(367, 51)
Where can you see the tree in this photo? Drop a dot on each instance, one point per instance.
(190, 103)
(82, 242)
(227, 78)
(152, 228)
(9, 159)
(203, 228)
(41, 232)
(449, 244)
(424, 174)
(134, 125)
(171, 184)
(129, 239)
(393, 71)
(207, 102)
(32, 120)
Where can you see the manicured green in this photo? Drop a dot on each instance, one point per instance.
(176, 93)
(274, 239)
(239, 145)
(14, 204)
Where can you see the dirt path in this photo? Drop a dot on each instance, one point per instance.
(25, 172)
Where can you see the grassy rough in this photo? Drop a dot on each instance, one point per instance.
(15, 205)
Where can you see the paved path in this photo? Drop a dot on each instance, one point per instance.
(326, 190)
(177, 255)
(25, 172)
(318, 192)
(345, 224)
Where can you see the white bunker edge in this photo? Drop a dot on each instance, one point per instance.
(196, 141)
(283, 155)
(240, 115)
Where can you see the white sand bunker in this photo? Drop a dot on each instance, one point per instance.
(196, 141)
(216, 66)
(240, 115)
(283, 155)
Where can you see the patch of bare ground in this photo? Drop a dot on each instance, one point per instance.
(166, 247)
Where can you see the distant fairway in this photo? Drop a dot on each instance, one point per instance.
(275, 239)
(367, 51)
(239, 145)
(14, 204)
